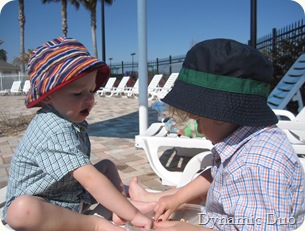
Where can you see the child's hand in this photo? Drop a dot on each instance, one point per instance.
(140, 220)
(165, 207)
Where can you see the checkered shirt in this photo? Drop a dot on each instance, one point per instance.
(50, 148)
(258, 183)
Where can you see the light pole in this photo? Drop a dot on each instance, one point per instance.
(103, 31)
(132, 55)
(253, 26)
(110, 64)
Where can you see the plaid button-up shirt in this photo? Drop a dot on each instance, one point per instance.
(258, 183)
(49, 150)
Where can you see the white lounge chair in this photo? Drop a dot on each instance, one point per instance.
(129, 91)
(290, 124)
(160, 92)
(26, 87)
(15, 89)
(154, 140)
(134, 91)
(289, 86)
(4, 92)
(297, 142)
(153, 85)
(107, 87)
(119, 90)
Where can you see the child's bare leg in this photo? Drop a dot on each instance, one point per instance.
(109, 169)
(34, 213)
(138, 193)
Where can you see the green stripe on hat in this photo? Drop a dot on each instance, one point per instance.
(224, 83)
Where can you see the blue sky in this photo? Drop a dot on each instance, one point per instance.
(173, 26)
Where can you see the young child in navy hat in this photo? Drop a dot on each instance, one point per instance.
(51, 177)
(256, 181)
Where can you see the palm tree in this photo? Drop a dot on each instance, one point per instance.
(21, 19)
(64, 12)
(23, 59)
(3, 53)
(91, 6)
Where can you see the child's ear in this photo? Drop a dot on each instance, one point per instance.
(47, 100)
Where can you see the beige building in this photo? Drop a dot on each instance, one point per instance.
(7, 68)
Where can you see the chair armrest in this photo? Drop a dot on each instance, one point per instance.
(151, 145)
(284, 113)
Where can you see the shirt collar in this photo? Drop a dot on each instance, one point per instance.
(225, 149)
(80, 127)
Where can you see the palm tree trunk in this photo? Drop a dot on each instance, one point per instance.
(91, 6)
(64, 18)
(93, 31)
(21, 19)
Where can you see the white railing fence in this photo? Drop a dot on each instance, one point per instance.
(6, 80)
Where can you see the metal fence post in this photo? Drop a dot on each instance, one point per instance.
(122, 68)
(170, 64)
(1, 81)
(274, 41)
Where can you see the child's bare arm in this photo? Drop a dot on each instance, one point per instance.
(106, 194)
(195, 189)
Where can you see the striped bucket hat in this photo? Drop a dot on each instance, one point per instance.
(57, 63)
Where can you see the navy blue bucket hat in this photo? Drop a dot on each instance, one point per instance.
(224, 80)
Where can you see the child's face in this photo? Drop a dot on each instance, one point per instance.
(214, 130)
(75, 101)
(204, 126)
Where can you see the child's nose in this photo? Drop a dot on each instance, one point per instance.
(90, 96)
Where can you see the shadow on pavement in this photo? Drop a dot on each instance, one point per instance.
(126, 126)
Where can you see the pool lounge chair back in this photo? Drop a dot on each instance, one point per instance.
(161, 92)
(134, 91)
(289, 87)
(153, 85)
(119, 90)
(109, 85)
(26, 87)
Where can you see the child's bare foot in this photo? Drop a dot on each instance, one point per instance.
(144, 207)
(137, 192)
(117, 220)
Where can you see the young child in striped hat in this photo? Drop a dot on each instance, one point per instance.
(51, 177)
